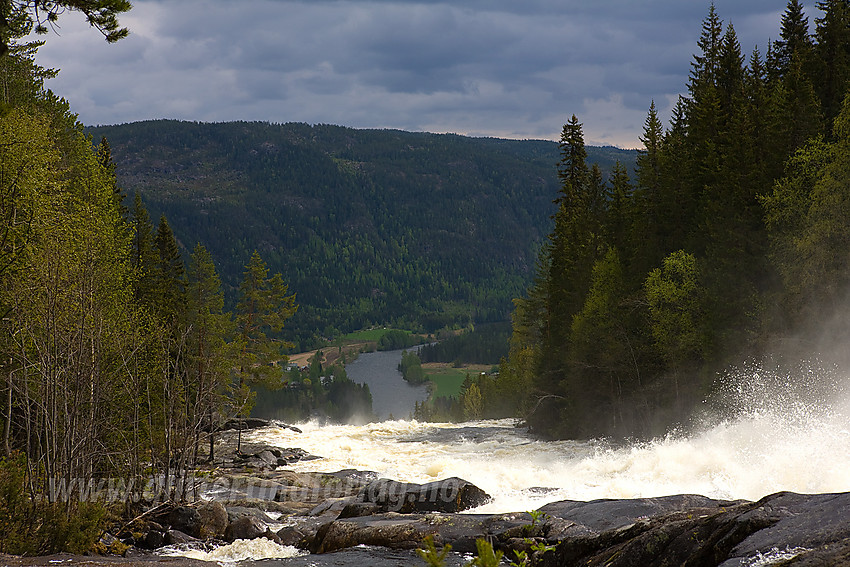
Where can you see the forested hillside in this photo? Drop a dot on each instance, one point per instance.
(731, 239)
(367, 226)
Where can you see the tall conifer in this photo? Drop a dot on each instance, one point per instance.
(168, 274)
(209, 356)
(795, 40)
(832, 51)
(143, 254)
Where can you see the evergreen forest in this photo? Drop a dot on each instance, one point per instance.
(729, 242)
(369, 227)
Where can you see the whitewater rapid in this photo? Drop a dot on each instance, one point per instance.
(235, 552)
(744, 458)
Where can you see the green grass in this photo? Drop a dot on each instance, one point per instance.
(447, 381)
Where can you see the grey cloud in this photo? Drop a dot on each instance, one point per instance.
(487, 67)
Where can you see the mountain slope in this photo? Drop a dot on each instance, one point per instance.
(367, 226)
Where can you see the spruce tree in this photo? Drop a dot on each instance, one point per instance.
(795, 41)
(648, 164)
(168, 274)
(832, 52)
(620, 212)
(264, 306)
(571, 243)
(705, 65)
(209, 355)
(104, 155)
(651, 220)
(143, 255)
(573, 248)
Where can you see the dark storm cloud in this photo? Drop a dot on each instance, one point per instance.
(481, 67)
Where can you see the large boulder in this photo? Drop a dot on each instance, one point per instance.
(813, 528)
(185, 519)
(597, 516)
(246, 527)
(153, 540)
(317, 488)
(212, 520)
(245, 423)
(402, 531)
(236, 512)
(448, 495)
(818, 522)
(388, 530)
(359, 509)
(174, 537)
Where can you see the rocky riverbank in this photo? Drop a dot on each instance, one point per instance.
(252, 493)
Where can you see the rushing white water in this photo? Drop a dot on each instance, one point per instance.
(239, 550)
(774, 556)
(768, 447)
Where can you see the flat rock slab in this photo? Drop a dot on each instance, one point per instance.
(400, 531)
(677, 530)
(448, 495)
(601, 515)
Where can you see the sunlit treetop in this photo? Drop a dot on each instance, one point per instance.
(19, 17)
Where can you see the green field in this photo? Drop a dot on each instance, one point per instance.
(447, 381)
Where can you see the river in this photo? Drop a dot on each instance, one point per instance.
(391, 394)
(776, 440)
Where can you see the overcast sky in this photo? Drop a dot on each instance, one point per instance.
(507, 68)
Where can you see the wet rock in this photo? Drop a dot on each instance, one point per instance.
(155, 526)
(448, 495)
(837, 554)
(173, 537)
(333, 506)
(153, 540)
(388, 530)
(236, 512)
(245, 424)
(801, 520)
(213, 520)
(246, 527)
(185, 519)
(600, 515)
(678, 530)
(359, 509)
(290, 535)
(815, 522)
(317, 488)
(272, 536)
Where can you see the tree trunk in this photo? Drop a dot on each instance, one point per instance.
(7, 425)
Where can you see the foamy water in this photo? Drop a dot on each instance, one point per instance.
(239, 550)
(796, 447)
